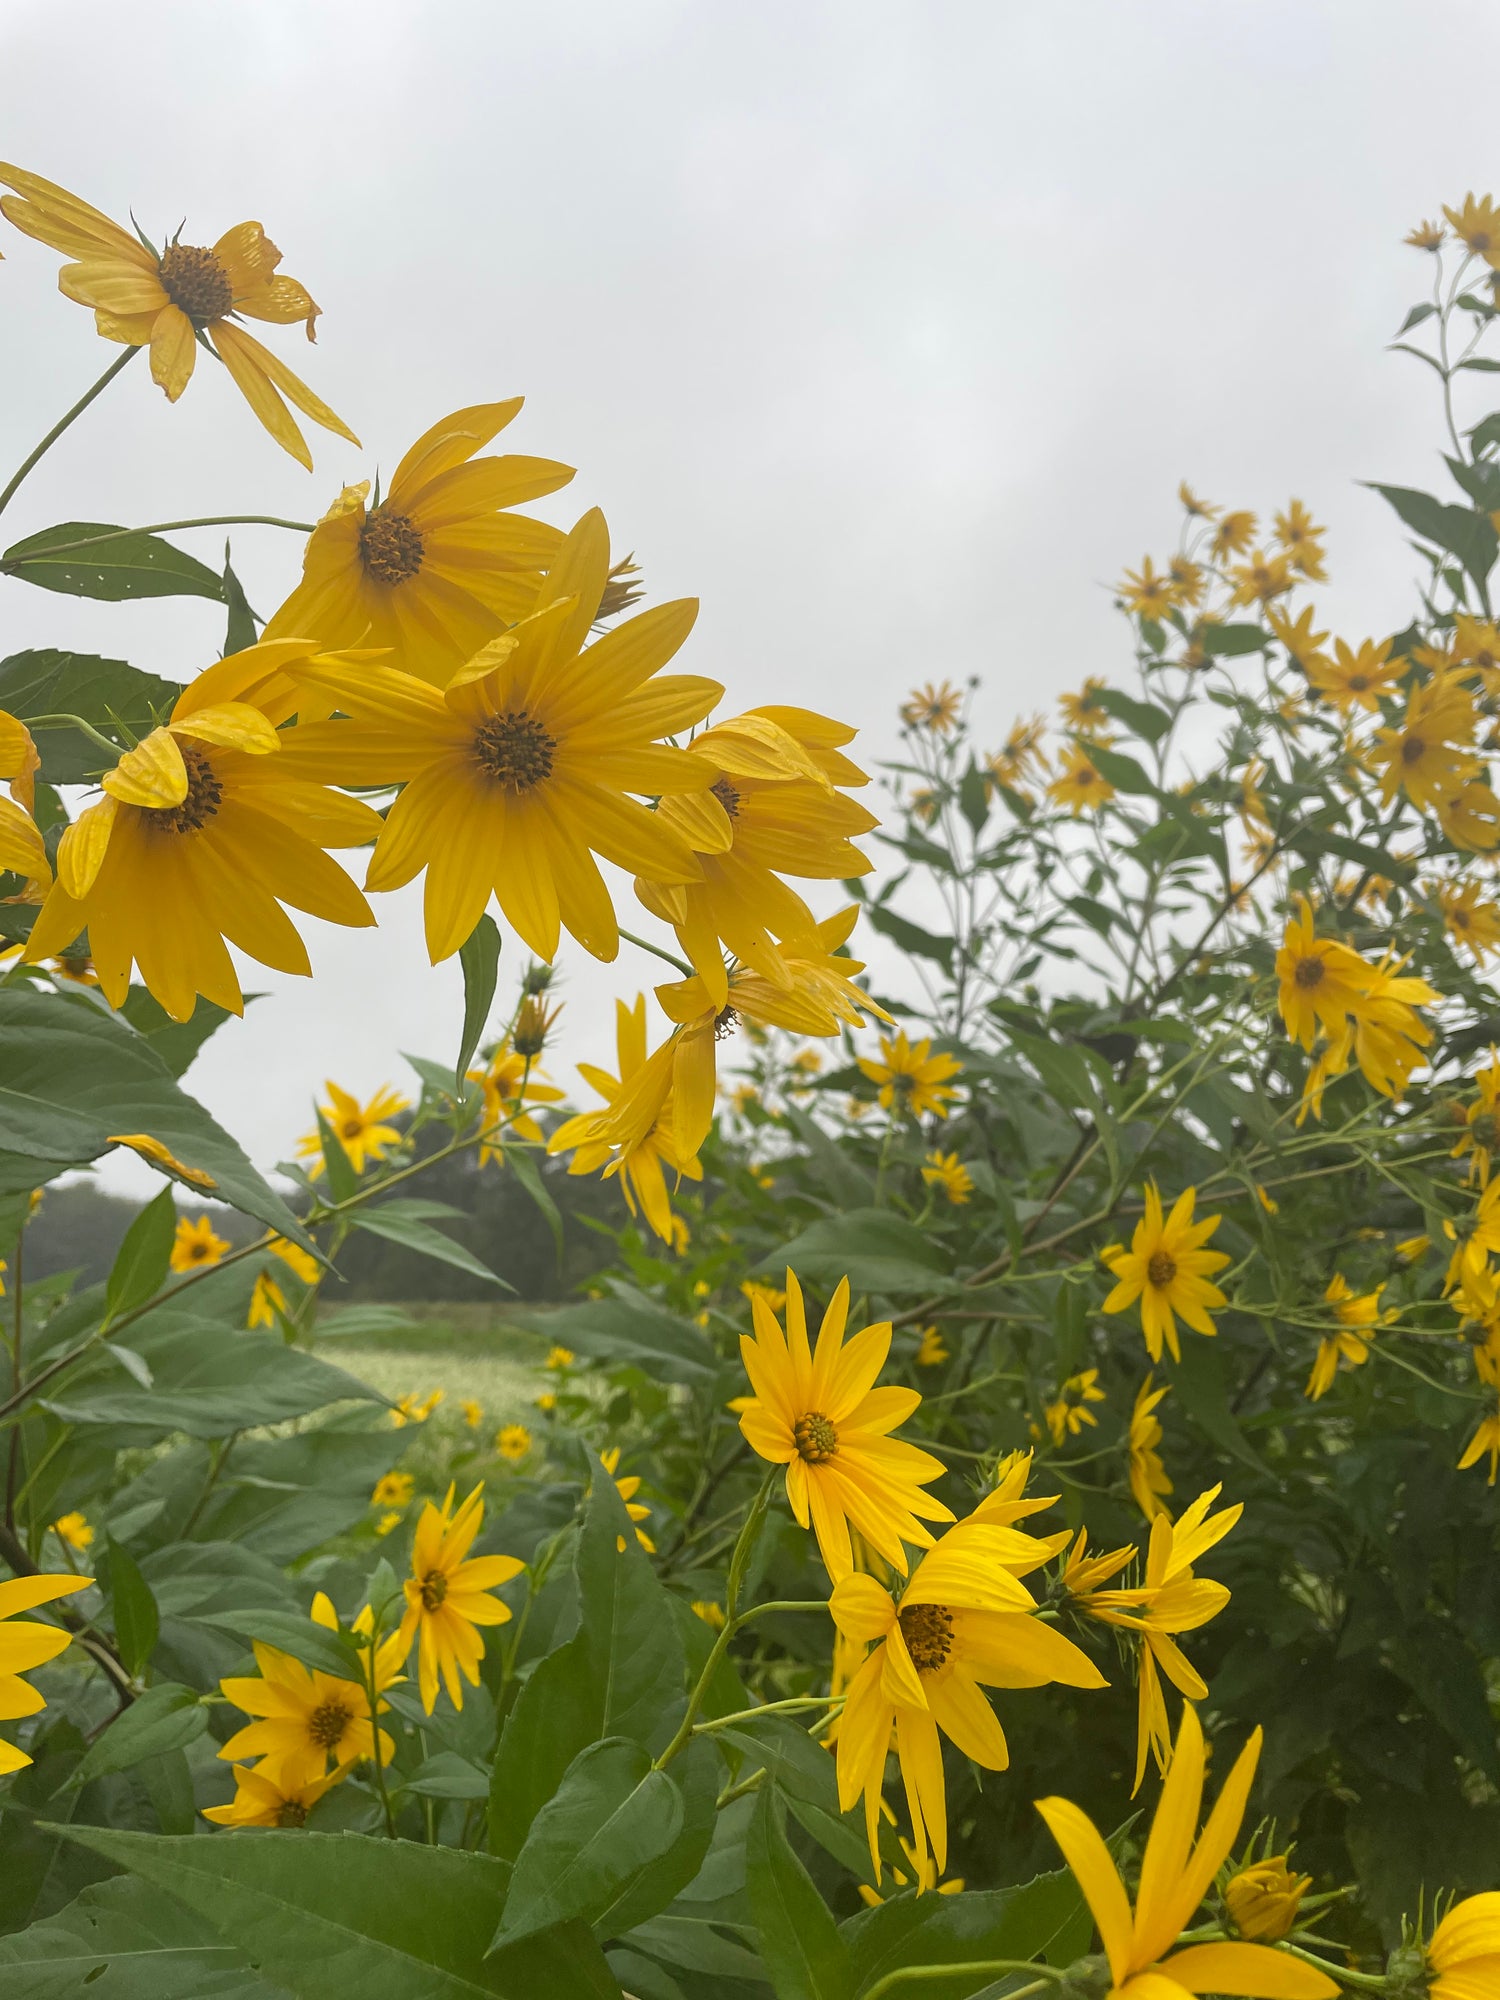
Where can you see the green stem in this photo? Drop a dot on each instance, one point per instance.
(1373, 1981)
(73, 722)
(371, 1655)
(13, 1469)
(8, 492)
(907, 1974)
(54, 549)
(731, 1623)
(793, 1705)
(658, 951)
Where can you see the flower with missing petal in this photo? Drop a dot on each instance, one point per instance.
(1357, 1318)
(260, 1800)
(1148, 1476)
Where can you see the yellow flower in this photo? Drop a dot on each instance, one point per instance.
(1203, 510)
(1020, 756)
(297, 1260)
(304, 1718)
(363, 1130)
(173, 301)
(1357, 1316)
(520, 770)
(392, 1489)
(196, 1246)
(546, 1403)
(1320, 979)
(1148, 1476)
(157, 1155)
(471, 1412)
(772, 807)
(637, 1150)
(1079, 782)
(932, 1350)
(1357, 679)
(203, 832)
(260, 1801)
(560, 1357)
(712, 1614)
(1145, 593)
(1262, 578)
(947, 1171)
(1471, 818)
(965, 1621)
(1177, 1871)
(387, 1523)
(1463, 1955)
(447, 1596)
(1067, 1416)
(753, 1289)
(1389, 1036)
(1469, 921)
(930, 707)
(1302, 539)
(74, 1530)
(1234, 534)
(1188, 581)
(441, 566)
(1481, 1131)
(513, 1441)
(508, 1082)
(1172, 1600)
(821, 1416)
(742, 1097)
(414, 1409)
(911, 1078)
(267, 1299)
(1477, 227)
(1263, 1899)
(1301, 641)
(1428, 755)
(1484, 1442)
(26, 1645)
(1426, 236)
(1167, 1269)
(924, 1872)
(627, 1489)
(1084, 713)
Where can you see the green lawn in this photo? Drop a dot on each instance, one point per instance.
(464, 1350)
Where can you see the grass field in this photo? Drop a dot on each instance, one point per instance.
(464, 1350)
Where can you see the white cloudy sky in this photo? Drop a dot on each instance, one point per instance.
(886, 329)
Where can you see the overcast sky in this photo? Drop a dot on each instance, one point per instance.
(885, 329)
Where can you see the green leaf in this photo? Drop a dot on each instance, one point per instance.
(1198, 1379)
(1467, 535)
(1482, 364)
(974, 797)
(343, 1181)
(1045, 1918)
(400, 1222)
(344, 1916)
(133, 1608)
(1416, 316)
(127, 565)
(313, 1644)
(628, 1327)
(479, 955)
(108, 693)
(446, 1775)
(144, 1257)
(874, 1249)
(1144, 717)
(100, 1079)
(911, 937)
(1485, 433)
(1123, 772)
(123, 1940)
(176, 1042)
(799, 1941)
(1226, 641)
(166, 1717)
(242, 628)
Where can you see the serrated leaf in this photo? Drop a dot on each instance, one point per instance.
(118, 564)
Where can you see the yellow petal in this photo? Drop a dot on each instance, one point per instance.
(174, 348)
(81, 851)
(152, 774)
(234, 724)
(21, 846)
(158, 1155)
(1251, 1969)
(1088, 1857)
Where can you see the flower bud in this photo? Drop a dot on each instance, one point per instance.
(1264, 1899)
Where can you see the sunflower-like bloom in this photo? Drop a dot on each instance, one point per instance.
(1485, 1443)
(171, 301)
(440, 566)
(1463, 1954)
(1480, 1136)
(1067, 1416)
(773, 808)
(1085, 713)
(1426, 236)
(948, 1172)
(1264, 1897)
(1021, 756)
(1429, 753)
(197, 1245)
(1145, 593)
(1172, 1600)
(1177, 1872)
(819, 1413)
(1320, 979)
(1357, 1317)
(1302, 538)
(447, 1596)
(1148, 1476)
(1469, 920)
(21, 846)
(1234, 534)
(508, 1082)
(1297, 635)
(641, 1148)
(934, 708)
(74, 1530)
(26, 1645)
(965, 1621)
(363, 1130)
(1357, 679)
(304, 1719)
(260, 1800)
(519, 772)
(1168, 1270)
(911, 1078)
(1477, 227)
(513, 1442)
(1079, 783)
(627, 1488)
(201, 836)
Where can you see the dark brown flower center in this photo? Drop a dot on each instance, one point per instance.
(196, 282)
(1413, 750)
(815, 1438)
(390, 546)
(725, 1023)
(1310, 972)
(434, 1589)
(928, 1632)
(204, 795)
(291, 1812)
(515, 750)
(1486, 1130)
(199, 1251)
(1162, 1269)
(351, 1128)
(1358, 683)
(326, 1724)
(727, 796)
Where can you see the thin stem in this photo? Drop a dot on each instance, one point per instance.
(908, 1974)
(54, 549)
(658, 951)
(371, 1655)
(793, 1705)
(73, 722)
(13, 1468)
(8, 492)
(731, 1623)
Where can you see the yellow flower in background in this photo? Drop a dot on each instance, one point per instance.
(1477, 227)
(932, 1350)
(1084, 713)
(752, 1289)
(1234, 534)
(560, 1357)
(627, 1488)
(1481, 1134)
(1067, 1416)
(1357, 680)
(388, 1523)
(1302, 538)
(1168, 1270)
(414, 1409)
(513, 1442)
(441, 565)
(1148, 1476)
(267, 1299)
(74, 1530)
(1297, 635)
(546, 1402)
(1021, 756)
(197, 1246)
(965, 1621)
(712, 1614)
(1468, 920)
(911, 1079)
(1263, 1899)
(522, 769)
(447, 1596)
(947, 1171)
(1426, 236)
(393, 1489)
(1486, 1439)
(297, 1260)
(1389, 1035)
(936, 708)
(1358, 1316)
(303, 1720)
(1202, 510)
(1429, 753)
(363, 1130)
(1189, 581)
(820, 1415)
(203, 833)
(1145, 593)
(1262, 578)
(1079, 783)
(260, 1801)
(509, 1081)
(1177, 1872)
(472, 1412)
(172, 301)
(1320, 979)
